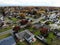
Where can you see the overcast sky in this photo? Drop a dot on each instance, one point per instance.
(30, 3)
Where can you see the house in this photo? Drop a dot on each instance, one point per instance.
(26, 35)
(29, 37)
(52, 16)
(8, 41)
(54, 26)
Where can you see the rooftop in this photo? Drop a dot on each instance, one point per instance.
(21, 35)
(8, 41)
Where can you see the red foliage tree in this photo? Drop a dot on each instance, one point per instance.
(16, 28)
(23, 22)
(44, 30)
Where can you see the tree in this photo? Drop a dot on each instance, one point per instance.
(24, 21)
(44, 31)
(16, 28)
(22, 15)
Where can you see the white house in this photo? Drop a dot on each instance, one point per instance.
(54, 26)
(52, 16)
(26, 35)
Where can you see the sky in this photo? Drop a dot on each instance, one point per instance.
(55, 3)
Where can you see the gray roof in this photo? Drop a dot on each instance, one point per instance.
(8, 41)
(24, 33)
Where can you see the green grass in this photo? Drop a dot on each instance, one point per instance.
(22, 43)
(14, 19)
(56, 42)
(42, 20)
(30, 28)
(37, 43)
(21, 30)
(26, 43)
(50, 37)
(4, 36)
(5, 29)
(37, 32)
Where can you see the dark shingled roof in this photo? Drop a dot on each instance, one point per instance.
(7, 41)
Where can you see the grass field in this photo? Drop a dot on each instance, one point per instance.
(5, 29)
(4, 36)
(14, 19)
